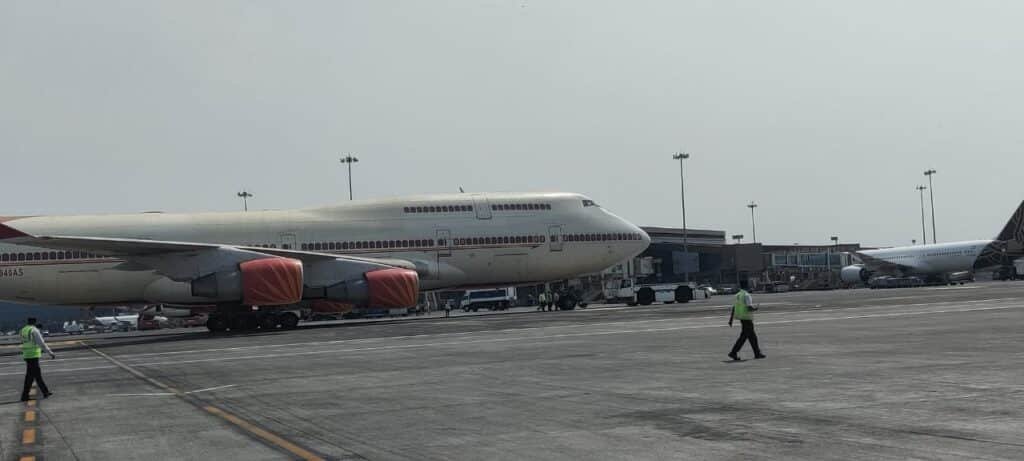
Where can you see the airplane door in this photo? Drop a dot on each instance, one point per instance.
(444, 242)
(555, 238)
(482, 207)
(288, 242)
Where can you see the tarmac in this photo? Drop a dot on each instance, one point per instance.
(925, 373)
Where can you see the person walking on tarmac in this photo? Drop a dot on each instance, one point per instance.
(32, 347)
(742, 310)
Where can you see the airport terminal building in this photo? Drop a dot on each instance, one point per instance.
(709, 259)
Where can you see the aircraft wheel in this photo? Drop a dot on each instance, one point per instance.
(645, 296)
(244, 322)
(216, 323)
(288, 320)
(268, 322)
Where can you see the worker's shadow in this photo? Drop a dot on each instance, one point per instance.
(10, 402)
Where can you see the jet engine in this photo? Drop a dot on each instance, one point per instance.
(259, 282)
(282, 281)
(854, 274)
(385, 288)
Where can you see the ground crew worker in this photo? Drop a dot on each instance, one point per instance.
(32, 347)
(742, 310)
(543, 299)
(554, 300)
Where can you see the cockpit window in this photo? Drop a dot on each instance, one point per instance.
(589, 203)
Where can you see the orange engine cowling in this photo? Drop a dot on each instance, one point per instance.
(379, 287)
(271, 281)
(392, 288)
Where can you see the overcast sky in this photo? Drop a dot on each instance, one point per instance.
(825, 113)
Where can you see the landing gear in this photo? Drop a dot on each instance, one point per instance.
(288, 320)
(217, 323)
(269, 322)
(245, 320)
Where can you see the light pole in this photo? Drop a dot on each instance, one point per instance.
(682, 195)
(738, 238)
(931, 193)
(349, 160)
(753, 225)
(835, 241)
(924, 234)
(245, 199)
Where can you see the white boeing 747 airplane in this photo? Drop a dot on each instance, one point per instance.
(378, 253)
(937, 261)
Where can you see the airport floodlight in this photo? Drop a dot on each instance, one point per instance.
(924, 233)
(753, 224)
(682, 196)
(349, 160)
(245, 195)
(931, 193)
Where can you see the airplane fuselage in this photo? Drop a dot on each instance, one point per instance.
(933, 259)
(454, 241)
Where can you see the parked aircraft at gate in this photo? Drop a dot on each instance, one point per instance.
(372, 252)
(940, 260)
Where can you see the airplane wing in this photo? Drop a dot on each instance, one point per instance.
(258, 276)
(883, 266)
(184, 260)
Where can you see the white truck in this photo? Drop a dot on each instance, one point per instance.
(621, 285)
(497, 299)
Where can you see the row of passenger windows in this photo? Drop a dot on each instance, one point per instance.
(947, 253)
(507, 239)
(48, 256)
(601, 237)
(438, 209)
(368, 244)
(520, 206)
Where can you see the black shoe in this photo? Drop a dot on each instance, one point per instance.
(732, 355)
(47, 395)
(24, 399)
(760, 356)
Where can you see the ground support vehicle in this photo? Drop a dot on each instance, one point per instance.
(497, 299)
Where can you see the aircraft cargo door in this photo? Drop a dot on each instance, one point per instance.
(555, 238)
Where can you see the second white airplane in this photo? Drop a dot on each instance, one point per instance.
(937, 261)
(374, 252)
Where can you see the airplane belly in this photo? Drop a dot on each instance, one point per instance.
(99, 284)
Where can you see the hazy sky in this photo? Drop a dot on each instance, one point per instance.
(825, 113)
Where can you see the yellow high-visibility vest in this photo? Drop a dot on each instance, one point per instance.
(740, 310)
(29, 348)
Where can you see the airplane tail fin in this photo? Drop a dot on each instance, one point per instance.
(1014, 230)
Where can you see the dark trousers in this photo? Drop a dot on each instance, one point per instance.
(33, 373)
(747, 333)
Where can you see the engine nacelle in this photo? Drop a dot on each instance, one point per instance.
(259, 282)
(854, 274)
(385, 288)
